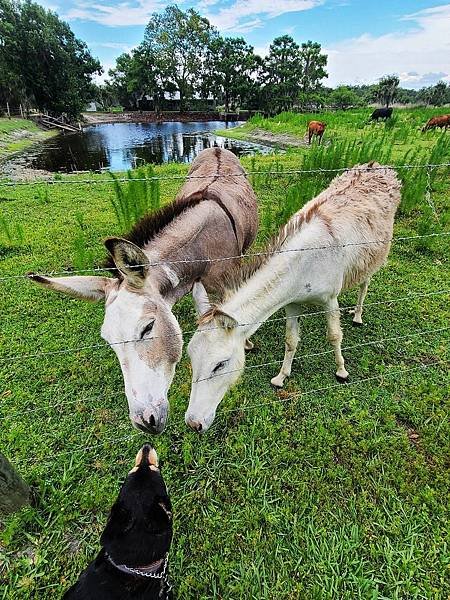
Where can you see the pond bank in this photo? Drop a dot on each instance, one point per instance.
(147, 116)
(261, 136)
(17, 135)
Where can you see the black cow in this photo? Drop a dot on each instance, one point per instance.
(381, 113)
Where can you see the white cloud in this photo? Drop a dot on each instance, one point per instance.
(124, 14)
(230, 18)
(419, 56)
(240, 16)
(113, 45)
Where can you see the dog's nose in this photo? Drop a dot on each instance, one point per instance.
(195, 425)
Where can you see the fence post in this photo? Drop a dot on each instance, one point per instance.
(21, 110)
(7, 110)
(14, 492)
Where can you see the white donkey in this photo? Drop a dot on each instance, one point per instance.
(325, 248)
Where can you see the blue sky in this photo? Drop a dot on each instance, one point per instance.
(363, 38)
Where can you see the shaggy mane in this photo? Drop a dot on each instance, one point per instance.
(153, 223)
(240, 273)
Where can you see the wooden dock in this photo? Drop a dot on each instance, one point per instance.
(58, 122)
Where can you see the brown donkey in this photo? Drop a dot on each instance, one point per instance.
(214, 216)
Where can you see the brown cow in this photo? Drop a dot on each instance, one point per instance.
(442, 121)
(315, 128)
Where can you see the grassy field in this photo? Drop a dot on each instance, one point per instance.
(402, 129)
(18, 134)
(319, 491)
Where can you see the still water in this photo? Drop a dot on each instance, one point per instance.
(121, 146)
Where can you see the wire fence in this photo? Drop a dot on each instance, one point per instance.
(430, 168)
(114, 441)
(233, 257)
(76, 349)
(243, 173)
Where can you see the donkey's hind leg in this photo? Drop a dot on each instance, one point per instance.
(292, 337)
(335, 337)
(357, 317)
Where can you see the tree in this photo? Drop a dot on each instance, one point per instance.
(387, 88)
(282, 74)
(344, 97)
(312, 66)
(178, 43)
(120, 81)
(437, 95)
(42, 62)
(291, 70)
(230, 70)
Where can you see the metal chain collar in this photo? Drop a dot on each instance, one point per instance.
(162, 576)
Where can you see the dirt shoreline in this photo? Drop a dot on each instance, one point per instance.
(94, 118)
(267, 138)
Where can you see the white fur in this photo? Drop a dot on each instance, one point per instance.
(360, 208)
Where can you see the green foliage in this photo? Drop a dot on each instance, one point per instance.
(344, 97)
(42, 63)
(229, 75)
(437, 95)
(290, 70)
(176, 44)
(137, 196)
(12, 234)
(387, 89)
(83, 256)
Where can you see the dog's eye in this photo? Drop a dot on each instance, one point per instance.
(147, 329)
(219, 366)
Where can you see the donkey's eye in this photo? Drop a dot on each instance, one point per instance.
(147, 329)
(219, 366)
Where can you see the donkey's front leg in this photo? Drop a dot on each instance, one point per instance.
(292, 337)
(335, 337)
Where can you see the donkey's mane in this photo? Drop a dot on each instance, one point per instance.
(153, 223)
(240, 273)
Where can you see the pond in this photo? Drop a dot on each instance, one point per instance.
(121, 146)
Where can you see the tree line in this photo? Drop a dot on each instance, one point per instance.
(43, 65)
(183, 54)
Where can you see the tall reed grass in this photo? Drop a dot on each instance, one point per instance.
(344, 153)
(135, 197)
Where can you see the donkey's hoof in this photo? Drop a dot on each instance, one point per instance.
(248, 345)
(277, 382)
(341, 379)
(357, 323)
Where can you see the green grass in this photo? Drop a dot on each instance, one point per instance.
(18, 134)
(327, 495)
(403, 130)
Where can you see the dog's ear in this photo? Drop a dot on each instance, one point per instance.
(120, 521)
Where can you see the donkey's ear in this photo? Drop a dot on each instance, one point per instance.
(86, 288)
(129, 259)
(224, 320)
(201, 300)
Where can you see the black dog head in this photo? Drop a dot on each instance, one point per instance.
(139, 528)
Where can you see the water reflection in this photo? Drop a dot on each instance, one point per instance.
(120, 146)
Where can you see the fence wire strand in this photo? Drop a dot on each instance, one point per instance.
(245, 408)
(394, 239)
(243, 173)
(304, 357)
(342, 309)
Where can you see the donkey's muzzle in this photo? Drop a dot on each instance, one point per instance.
(151, 420)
